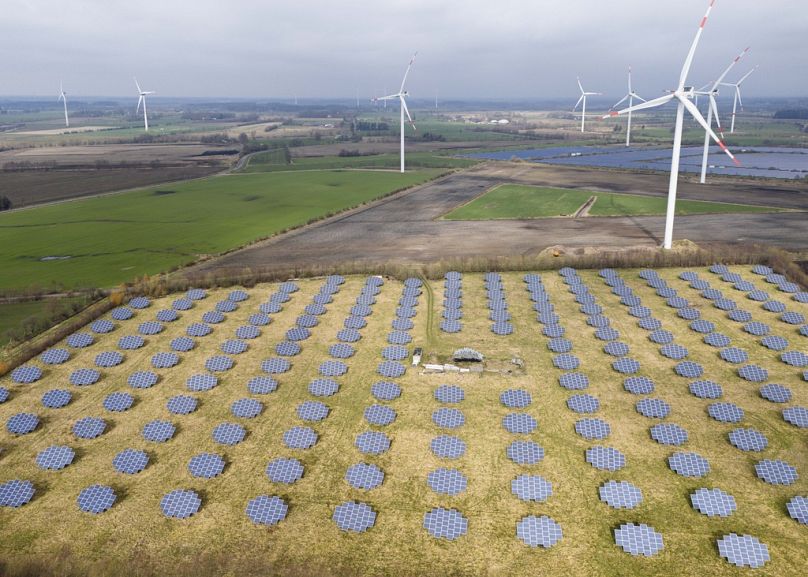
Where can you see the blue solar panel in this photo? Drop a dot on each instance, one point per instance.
(348, 335)
(748, 439)
(689, 369)
(713, 502)
(22, 423)
(333, 368)
(743, 551)
(688, 313)
(753, 373)
(163, 316)
(583, 403)
(80, 340)
(774, 343)
(739, 316)
(55, 356)
(798, 509)
(399, 338)
(538, 531)
(181, 405)
(84, 377)
(566, 362)
(121, 314)
(298, 334)
(717, 340)
(16, 493)
(219, 363)
(525, 452)
(448, 418)
(131, 342)
(246, 408)
(130, 461)
(725, 412)
(775, 393)
(248, 332)
(669, 434)
(276, 365)
(391, 369)
(299, 438)
(447, 524)
(649, 324)
(229, 433)
(53, 399)
(719, 269)
(55, 457)
(312, 411)
(285, 471)
(270, 308)
(573, 381)
(307, 321)
(342, 351)
(532, 488)
(626, 365)
(514, 398)
(225, 306)
(448, 447)
(596, 321)
(559, 345)
(323, 387)
(758, 295)
(379, 415)
(201, 382)
(795, 358)
(140, 303)
(605, 458)
(233, 347)
(519, 423)
(372, 442)
(180, 503)
(502, 328)
(734, 355)
(593, 429)
(616, 349)
(653, 408)
(142, 379)
(213, 317)
(182, 304)
(620, 494)
(553, 331)
(712, 294)
(674, 351)
(118, 402)
(774, 306)
(206, 465)
(354, 517)
(182, 344)
(447, 481)
(639, 385)
(638, 540)
(776, 472)
(158, 431)
(108, 359)
(89, 427)
(164, 360)
(364, 476)
(449, 326)
(96, 499)
(286, 349)
(259, 320)
(196, 294)
(689, 464)
(385, 390)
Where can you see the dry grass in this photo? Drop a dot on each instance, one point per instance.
(134, 538)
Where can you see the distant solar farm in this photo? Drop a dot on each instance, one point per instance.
(625, 422)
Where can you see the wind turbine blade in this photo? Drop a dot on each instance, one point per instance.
(139, 100)
(691, 108)
(407, 72)
(626, 97)
(407, 112)
(638, 97)
(650, 104)
(714, 108)
(745, 76)
(738, 92)
(138, 86)
(689, 60)
(579, 102)
(730, 67)
(580, 85)
(629, 80)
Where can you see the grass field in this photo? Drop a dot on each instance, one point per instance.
(518, 201)
(273, 161)
(116, 238)
(133, 537)
(12, 315)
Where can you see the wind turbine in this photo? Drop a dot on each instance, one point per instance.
(682, 95)
(142, 100)
(630, 97)
(737, 87)
(712, 108)
(584, 94)
(63, 96)
(400, 95)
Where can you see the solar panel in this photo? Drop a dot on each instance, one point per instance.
(234, 347)
(323, 387)
(653, 408)
(717, 340)
(748, 440)
(286, 471)
(275, 365)
(525, 452)
(447, 447)
(278, 298)
(198, 330)
(108, 359)
(804, 330)
(333, 368)
(593, 429)
(53, 399)
(712, 294)
(559, 345)
(449, 326)
(130, 461)
(96, 499)
(391, 369)
(181, 405)
(719, 269)
(270, 308)
(591, 309)
(758, 295)
(789, 287)
(219, 363)
(605, 458)
(502, 329)
(142, 379)
(341, 351)
(183, 344)
(553, 331)
(158, 431)
(800, 297)
(629, 299)
(312, 411)
(118, 402)
(776, 472)
(674, 351)
(383, 390)
(229, 433)
(775, 393)
(364, 476)
(519, 423)
(80, 340)
(774, 306)
(753, 373)
(201, 382)
(89, 427)
(743, 551)
(259, 320)
(774, 343)
(702, 326)
(181, 304)
(399, 338)
(246, 408)
(206, 465)
(131, 342)
(16, 493)
(639, 385)
(354, 517)
(22, 423)
(538, 531)
(55, 457)
(84, 377)
(583, 403)
(795, 358)
(298, 334)
(248, 332)
(379, 415)
(667, 293)
(640, 312)
(447, 481)
(669, 434)
(513, 398)
(573, 381)
(288, 287)
(689, 464)
(447, 524)
(54, 356)
(372, 442)
(286, 349)
(688, 275)
(626, 365)
(616, 349)
(448, 418)
(595, 321)
(713, 502)
(307, 321)
(620, 494)
(547, 318)
(725, 304)
(121, 314)
(180, 503)
(140, 303)
(649, 324)
(744, 286)
(739, 316)
(566, 362)
(226, 306)
(798, 509)
(213, 317)
(163, 316)
(689, 369)
(688, 313)
(299, 438)
(638, 540)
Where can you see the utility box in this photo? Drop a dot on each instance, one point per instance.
(416, 356)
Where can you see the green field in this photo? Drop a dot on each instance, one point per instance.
(116, 238)
(134, 538)
(12, 315)
(518, 201)
(273, 161)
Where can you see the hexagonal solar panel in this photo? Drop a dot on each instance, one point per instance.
(717, 340)
(502, 328)
(307, 321)
(354, 517)
(447, 524)
(275, 365)
(140, 303)
(201, 382)
(669, 434)
(734, 355)
(22, 423)
(514, 398)
(226, 306)
(233, 347)
(661, 337)
(626, 366)
(525, 452)
(532, 488)
(196, 294)
(53, 399)
(246, 408)
(566, 362)
(649, 324)
(743, 551)
(559, 345)
(341, 351)
(372, 442)
(84, 377)
(118, 402)
(677, 302)
(616, 349)
(804, 330)
(298, 334)
(150, 328)
(55, 457)
(519, 423)
(130, 461)
(447, 447)
(620, 494)
(552, 331)
(54, 356)
(180, 503)
(797, 416)
(448, 418)
(131, 342)
(229, 433)
(102, 326)
(574, 381)
(726, 412)
(674, 351)
(689, 464)
(538, 531)
(688, 313)
(758, 295)
(753, 373)
(206, 465)
(800, 297)
(182, 304)
(96, 499)
(219, 363)
(158, 431)
(689, 369)
(364, 476)
(284, 349)
(259, 320)
(774, 343)
(323, 387)
(713, 502)
(348, 335)
(583, 403)
(593, 429)
(183, 344)
(399, 338)
(270, 308)
(739, 316)
(286, 471)
(639, 385)
(108, 359)
(213, 317)
(379, 415)
(89, 427)
(248, 332)
(725, 304)
(448, 326)
(699, 284)
(142, 380)
(299, 438)
(391, 369)
(312, 411)
(798, 509)
(776, 472)
(122, 314)
(757, 328)
(385, 390)
(447, 481)
(164, 360)
(16, 493)
(774, 306)
(333, 368)
(181, 405)
(638, 539)
(639, 311)
(795, 358)
(748, 439)
(653, 408)
(596, 321)
(449, 394)
(605, 458)
(775, 393)
(80, 340)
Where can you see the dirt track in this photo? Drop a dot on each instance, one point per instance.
(405, 227)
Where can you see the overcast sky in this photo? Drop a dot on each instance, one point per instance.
(329, 48)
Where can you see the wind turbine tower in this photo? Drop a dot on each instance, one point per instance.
(400, 95)
(142, 100)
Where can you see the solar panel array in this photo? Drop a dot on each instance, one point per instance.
(638, 539)
(538, 531)
(743, 550)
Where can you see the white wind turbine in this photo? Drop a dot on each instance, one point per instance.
(400, 95)
(737, 87)
(712, 108)
(630, 97)
(682, 95)
(63, 97)
(584, 94)
(142, 100)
